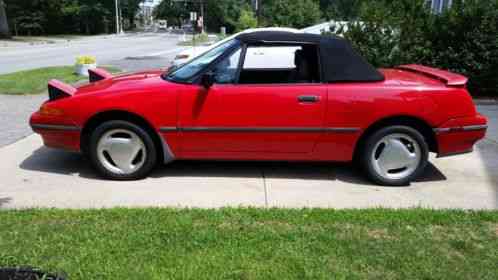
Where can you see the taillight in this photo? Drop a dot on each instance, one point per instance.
(47, 110)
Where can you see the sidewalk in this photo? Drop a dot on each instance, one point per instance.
(24, 41)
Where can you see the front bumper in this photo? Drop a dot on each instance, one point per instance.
(459, 135)
(56, 132)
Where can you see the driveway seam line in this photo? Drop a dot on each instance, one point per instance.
(265, 187)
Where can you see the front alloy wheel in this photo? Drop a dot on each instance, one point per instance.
(121, 150)
(395, 155)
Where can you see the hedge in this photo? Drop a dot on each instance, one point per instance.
(462, 39)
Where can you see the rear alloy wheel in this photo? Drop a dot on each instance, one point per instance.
(122, 151)
(395, 155)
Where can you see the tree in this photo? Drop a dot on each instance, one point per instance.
(225, 13)
(130, 9)
(246, 20)
(172, 11)
(91, 16)
(63, 16)
(291, 13)
(341, 9)
(31, 22)
(4, 25)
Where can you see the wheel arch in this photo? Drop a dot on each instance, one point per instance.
(123, 115)
(414, 122)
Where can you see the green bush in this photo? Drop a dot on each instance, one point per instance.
(246, 20)
(463, 39)
(291, 13)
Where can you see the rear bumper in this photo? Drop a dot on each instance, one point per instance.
(458, 136)
(56, 133)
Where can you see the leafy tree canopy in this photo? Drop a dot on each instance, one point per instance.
(68, 16)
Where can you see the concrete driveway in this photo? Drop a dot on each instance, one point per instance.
(35, 176)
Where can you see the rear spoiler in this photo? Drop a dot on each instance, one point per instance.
(97, 74)
(58, 90)
(451, 79)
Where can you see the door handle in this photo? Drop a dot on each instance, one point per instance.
(308, 98)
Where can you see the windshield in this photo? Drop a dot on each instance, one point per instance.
(189, 70)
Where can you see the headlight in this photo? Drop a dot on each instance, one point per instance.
(182, 56)
(46, 110)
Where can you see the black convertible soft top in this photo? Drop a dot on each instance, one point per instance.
(339, 61)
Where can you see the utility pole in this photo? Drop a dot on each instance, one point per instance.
(202, 15)
(257, 10)
(4, 25)
(121, 21)
(117, 17)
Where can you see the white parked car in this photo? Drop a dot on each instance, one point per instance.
(191, 53)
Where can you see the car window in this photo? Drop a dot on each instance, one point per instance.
(190, 69)
(258, 57)
(225, 72)
(282, 64)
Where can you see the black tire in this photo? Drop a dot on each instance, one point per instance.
(150, 150)
(369, 146)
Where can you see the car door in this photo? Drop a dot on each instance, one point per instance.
(231, 117)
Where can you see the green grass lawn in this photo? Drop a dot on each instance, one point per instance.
(35, 81)
(253, 243)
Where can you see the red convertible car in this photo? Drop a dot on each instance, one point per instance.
(321, 102)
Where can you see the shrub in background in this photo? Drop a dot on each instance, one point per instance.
(198, 39)
(291, 13)
(246, 20)
(463, 39)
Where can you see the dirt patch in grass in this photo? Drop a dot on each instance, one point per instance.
(378, 234)
(493, 227)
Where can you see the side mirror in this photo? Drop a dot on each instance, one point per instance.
(207, 80)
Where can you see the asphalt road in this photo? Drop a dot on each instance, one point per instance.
(107, 49)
